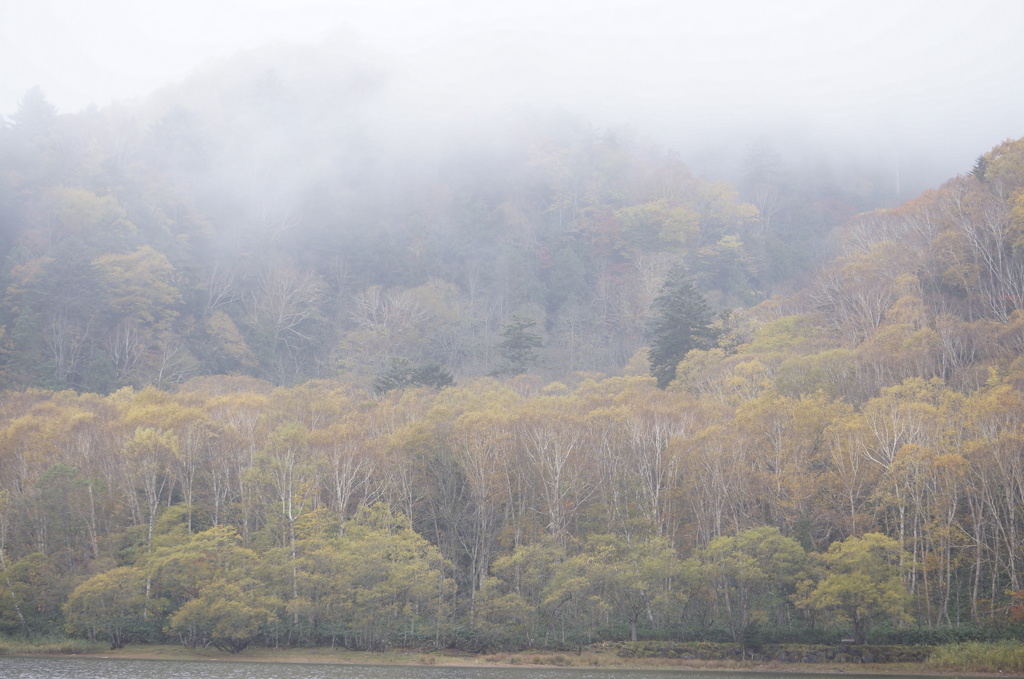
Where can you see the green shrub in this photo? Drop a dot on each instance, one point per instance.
(49, 644)
(979, 656)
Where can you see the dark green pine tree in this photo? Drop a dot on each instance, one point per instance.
(519, 345)
(980, 165)
(401, 374)
(681, 321)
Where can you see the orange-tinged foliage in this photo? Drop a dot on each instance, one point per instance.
(886, 398)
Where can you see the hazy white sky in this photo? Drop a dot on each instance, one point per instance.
(894, 67)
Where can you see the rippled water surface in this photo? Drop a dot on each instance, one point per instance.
(101, 668)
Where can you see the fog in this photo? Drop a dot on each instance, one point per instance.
(310, 170)
(921, 88)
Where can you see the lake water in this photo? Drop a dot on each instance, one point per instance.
(101, 668)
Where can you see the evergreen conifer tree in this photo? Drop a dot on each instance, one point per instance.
(681, 321)
(519, 345)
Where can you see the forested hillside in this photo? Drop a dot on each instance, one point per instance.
(244, 222)
(274, 378)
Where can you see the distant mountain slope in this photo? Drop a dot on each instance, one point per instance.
(303, 212)
(934, 288)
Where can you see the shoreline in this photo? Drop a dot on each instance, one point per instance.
(594, 660)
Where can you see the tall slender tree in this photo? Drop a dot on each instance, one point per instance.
(681, 321)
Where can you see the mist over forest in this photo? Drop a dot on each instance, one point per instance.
(471, 369)
(294, 221)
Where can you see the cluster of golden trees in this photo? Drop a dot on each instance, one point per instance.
(845, 455)
(528, 513)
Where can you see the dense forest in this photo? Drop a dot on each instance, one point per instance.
(276, 372)
(244, 222)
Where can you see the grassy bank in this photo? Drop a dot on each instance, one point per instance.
(979, 656)
(49, 645)
(1003, 658)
